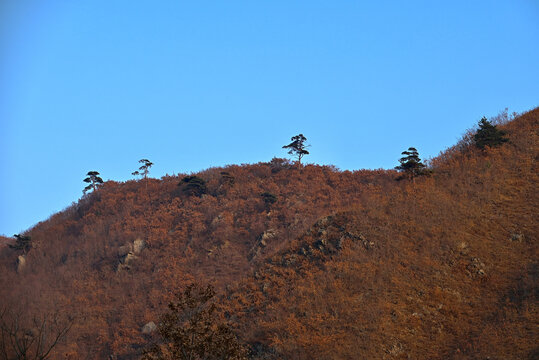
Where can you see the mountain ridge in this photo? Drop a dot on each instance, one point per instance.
(335, 268)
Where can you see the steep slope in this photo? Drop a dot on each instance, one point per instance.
(343, 265)
(442, 269)
(85, 260)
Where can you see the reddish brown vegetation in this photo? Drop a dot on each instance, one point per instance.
(344, 265)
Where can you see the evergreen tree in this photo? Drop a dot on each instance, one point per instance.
(193, 185)
(297, 147)
(94, 180)
(22, 242)
(226, 178)
(488, 135)
(269, 199)
(410, 164)
(144, 170)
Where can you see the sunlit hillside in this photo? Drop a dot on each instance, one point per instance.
(309, 262)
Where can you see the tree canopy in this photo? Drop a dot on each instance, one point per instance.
(410, 163)
(488, 135)
(143, 170)
(193, 185)
(22, 242)
(297, 147)
(93, 179)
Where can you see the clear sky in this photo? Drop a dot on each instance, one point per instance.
(98, 85)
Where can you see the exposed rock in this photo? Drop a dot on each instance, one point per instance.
(138, 245)
(129, 258)
(320, 244)
(128, 252)
(368, 244)
(476, 268)
(394, 349)
(517, 237)
(268, 234)
(265, 236)
(149, 328)
(216, 221)
(463, 248)
(21, 262)
(289, 260)
(124, 250)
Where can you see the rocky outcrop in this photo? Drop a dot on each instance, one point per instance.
(518, 237)
(262, 242)
(129, 252)
(476, 268)
(149, 328)
(138, 245)
(21, 263)
(266, 236)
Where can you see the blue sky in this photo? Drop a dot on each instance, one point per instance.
(98, 85)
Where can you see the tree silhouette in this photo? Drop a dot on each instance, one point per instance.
(144, 170)
(94, 180)
(226, 178)
(297, 147)
(488, 135)
(22, 242)
(269, 199)
(193, 185)
(190, 330)
(410, 164)
(31, 337)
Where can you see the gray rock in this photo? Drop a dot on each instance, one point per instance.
(268, 234)
(476, 268)
(129, 258)
(149, 328)
(517, 237)
(21, 262)
(124, 250)
(138, 245)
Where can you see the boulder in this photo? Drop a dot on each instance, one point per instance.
(125, 249)
(463, 248)
(21, 262)
(138, 245)
(476, 268)
(268, 234)
(149, 328)
(129, 258)
(517, 237)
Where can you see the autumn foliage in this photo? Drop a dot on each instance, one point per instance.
(333, 265)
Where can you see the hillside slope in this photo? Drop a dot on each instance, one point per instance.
(441, 269)
(343, 264)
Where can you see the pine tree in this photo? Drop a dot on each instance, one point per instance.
(144, 170)
(297, 147)
(488, 135)
(193, 185)
(269, 199)
(93, 179)
(226, 178)
(410, 164)
(22, 242)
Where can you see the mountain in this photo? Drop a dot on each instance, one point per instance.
(309, 262)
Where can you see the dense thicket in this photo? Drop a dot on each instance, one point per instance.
(337, 265)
